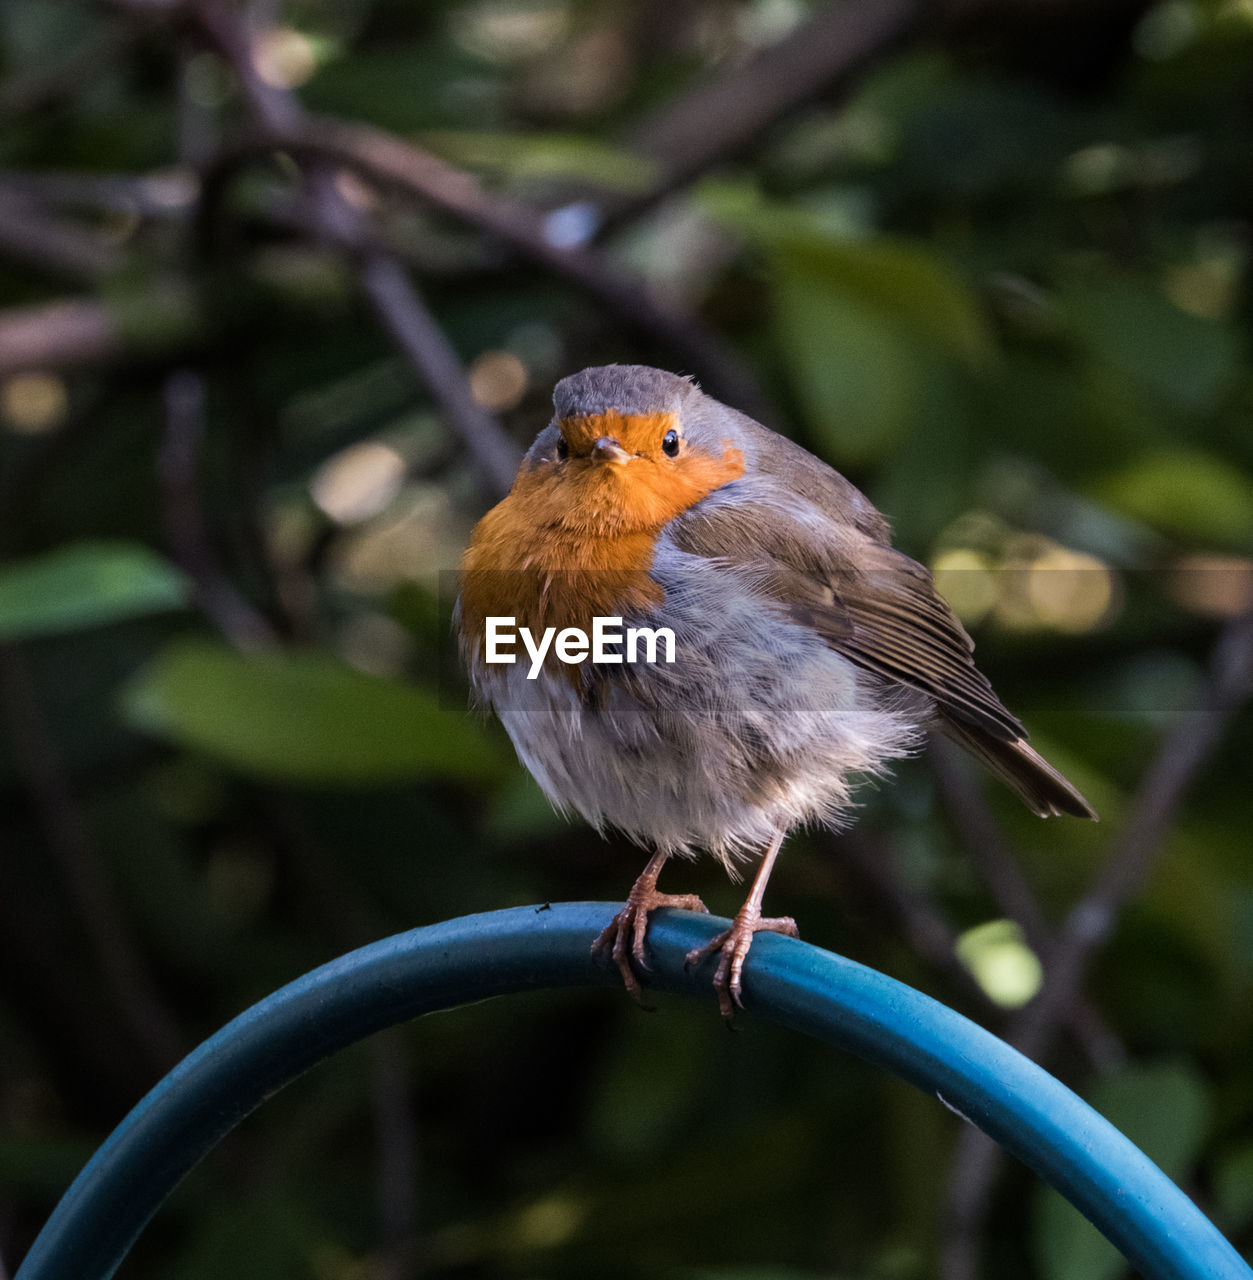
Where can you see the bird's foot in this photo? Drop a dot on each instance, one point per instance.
(623, 939)
(733, 946)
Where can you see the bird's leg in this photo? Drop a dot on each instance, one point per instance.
(734, 944)
(624, 938)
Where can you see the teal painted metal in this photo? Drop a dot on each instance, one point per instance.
(842, 1003)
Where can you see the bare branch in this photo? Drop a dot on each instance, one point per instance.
(1001, 871)
(72, 848)
(414, 330)
(924, 926)
(274, 110)
(395, 1135)
(28, 235)
(1134, 854)
(718, 120)
(77, 332)
(279, 115)
(182, 510)
(394, 164)
(58, 335)
(390, 162)
(167, 193)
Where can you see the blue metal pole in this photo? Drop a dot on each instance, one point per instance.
(1031, 1114)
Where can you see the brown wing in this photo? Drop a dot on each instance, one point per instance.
(880, 609)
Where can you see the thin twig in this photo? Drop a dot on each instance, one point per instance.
(72, 848)
(274, 110)
(1134, 854)
(718, 120)
(167, 193)
(78, 331)
(929, 934)
(988, 847)
(395, 1133)
(53, 244)
(196, 123)
(390, 163)
(58, 335)
(239, 621)
(412, 328)
(346, 917)
(415, 331)
(382, 158)
(989, 851)
(393, 296)
(1127, 866)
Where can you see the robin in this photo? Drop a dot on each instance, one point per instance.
(788, 649)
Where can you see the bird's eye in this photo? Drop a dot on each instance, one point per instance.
(563, 450)
(670, 443)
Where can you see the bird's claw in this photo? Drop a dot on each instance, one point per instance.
(623, 938)
(732, 946)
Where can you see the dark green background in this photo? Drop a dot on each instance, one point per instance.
(999, 279)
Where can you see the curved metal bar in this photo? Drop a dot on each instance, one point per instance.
(1030, 1113)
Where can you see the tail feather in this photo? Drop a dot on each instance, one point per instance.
(1023, 769)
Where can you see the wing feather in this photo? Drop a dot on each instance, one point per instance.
(880, 609)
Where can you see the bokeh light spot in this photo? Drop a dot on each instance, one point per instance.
(498, 380)
(358, 482)
(510, 32)
(967, 580)
(1069, 590)
(1001, 963)
(284, 58)
(1216, 586)
(32, 404)
(548, 1222)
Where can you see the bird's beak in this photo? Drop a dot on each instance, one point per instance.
(607, 449)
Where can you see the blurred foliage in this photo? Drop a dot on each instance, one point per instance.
(1002, 281)
(85, 585)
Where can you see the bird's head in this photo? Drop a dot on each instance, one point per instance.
(629, 448)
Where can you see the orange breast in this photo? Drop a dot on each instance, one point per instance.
(574, 542)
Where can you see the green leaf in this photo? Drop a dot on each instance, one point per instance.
(544, 155)
(1185, 492)
(930, 483)
(83, 585)
(1163, 1108)
(899, 281)
(1128, 324)
(861, 321)
(398, 85)
(304, 718)
(853, 374)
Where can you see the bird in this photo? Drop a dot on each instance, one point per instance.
(808, 653)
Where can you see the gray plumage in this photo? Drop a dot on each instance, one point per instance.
(810, 653)
(625, 388)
